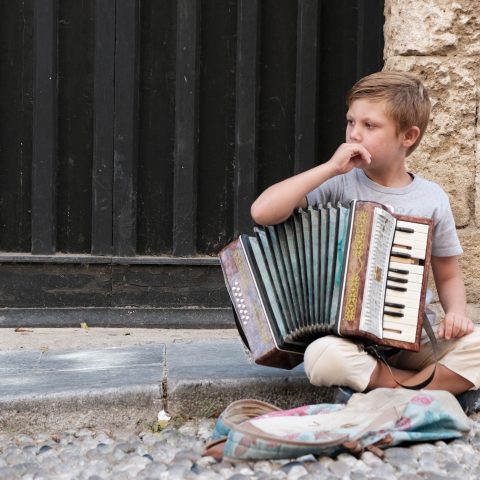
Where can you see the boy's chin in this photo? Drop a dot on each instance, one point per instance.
(373, 165)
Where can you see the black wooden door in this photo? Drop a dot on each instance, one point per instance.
(134, 136)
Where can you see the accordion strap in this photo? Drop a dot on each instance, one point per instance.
(431, 335)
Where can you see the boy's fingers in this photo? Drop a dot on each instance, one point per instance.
(459, 325)
(441, 329)
(448, 328)
(468, 326)
(361, 151)
(463, 328)
(455, 326)
(360, 159)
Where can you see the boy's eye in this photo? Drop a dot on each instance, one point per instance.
(370, 125)
(349, 121)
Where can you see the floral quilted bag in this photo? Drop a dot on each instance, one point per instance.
(252, 430)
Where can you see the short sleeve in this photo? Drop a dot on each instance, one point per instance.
(445, 239)
(329, 191)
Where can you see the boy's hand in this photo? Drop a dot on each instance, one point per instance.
(349, 156)
(455, 325)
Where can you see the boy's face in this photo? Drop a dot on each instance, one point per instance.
(369, 125)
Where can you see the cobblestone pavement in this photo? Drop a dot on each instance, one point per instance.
(175, 453)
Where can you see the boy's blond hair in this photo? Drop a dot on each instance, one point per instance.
(405, 97)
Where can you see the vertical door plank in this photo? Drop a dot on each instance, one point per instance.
(125, 133)
(44, 154)
(186, 128)
(156, 137)
(16, 125)
(102, 175)
(246, 118)
(306, 86)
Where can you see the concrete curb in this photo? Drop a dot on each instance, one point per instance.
(132, 408)
(126, 387)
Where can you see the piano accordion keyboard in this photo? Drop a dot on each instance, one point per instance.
(405, 279)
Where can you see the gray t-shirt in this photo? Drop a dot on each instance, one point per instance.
(420, 198)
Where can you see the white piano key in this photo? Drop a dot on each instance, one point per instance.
(401, 296)
(418, 279)
(417, 227)
(419, 239)
(388, 325)
(410, 301)
(406, 338)
(405, 334)
(394, 328)
(415, 234)
(407, 311)
(410, 319)
(410, 261)
(410, 286)
(412, 252)
(412, 269)
(412, 245)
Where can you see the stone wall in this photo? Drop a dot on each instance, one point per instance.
(439, 40)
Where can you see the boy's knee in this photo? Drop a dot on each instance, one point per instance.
(327, 362)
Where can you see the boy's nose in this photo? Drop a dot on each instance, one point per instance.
(355, 134)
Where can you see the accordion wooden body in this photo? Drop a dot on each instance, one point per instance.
(353, 270)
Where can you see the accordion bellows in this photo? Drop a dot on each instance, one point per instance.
(352, 270)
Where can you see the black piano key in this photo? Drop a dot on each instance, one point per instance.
(405, 229)
(397, 279)
(401, 254)
(397, 289)
(399, 270)
(393, 314)
(393, 305)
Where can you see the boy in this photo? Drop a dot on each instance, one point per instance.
(387, 115)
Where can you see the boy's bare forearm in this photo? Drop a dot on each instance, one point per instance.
(277, 202)
(455, 323)
(452, 295)
(449, 283)
(451, 291)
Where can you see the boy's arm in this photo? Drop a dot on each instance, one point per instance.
(277, 202)
(451, 291)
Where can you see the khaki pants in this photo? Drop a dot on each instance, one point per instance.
(334, 360)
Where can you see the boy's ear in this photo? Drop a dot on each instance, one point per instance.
(410, 136)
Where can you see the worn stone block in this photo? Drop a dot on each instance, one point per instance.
(477, 163)
(432, 27)
(470, 240)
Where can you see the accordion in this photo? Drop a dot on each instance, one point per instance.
(353, 270)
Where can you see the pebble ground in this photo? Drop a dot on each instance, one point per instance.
(175, 453)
